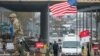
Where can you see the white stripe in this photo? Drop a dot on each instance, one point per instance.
(59, 4)
(65, 13)
(59, 8)
(70, 8)
(55, 7)
(63, 9)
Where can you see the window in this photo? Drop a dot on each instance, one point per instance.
(71, 44)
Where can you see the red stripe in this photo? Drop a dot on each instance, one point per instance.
(64, 13)
(59, 6)
(62, 9)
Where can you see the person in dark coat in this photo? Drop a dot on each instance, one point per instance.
(55, 49)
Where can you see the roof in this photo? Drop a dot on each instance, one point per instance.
(71, 37)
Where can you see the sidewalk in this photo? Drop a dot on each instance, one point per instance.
(43, 51)
(92, 52)
(49, 54)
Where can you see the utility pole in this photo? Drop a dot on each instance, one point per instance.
(90, 43)
(97, 25)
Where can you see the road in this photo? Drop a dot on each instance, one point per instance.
(59, 54)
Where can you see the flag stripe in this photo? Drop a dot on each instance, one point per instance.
(64, 5)
(65, 11)
(61, 14)
(63, 8)
(59, 8)
(60, 4)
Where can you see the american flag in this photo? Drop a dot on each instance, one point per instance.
(63, 8)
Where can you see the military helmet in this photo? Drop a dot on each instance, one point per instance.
(12, 15)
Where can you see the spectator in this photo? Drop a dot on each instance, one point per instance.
(50, 47)
(55, 49)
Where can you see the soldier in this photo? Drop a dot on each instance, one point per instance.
(17, 28)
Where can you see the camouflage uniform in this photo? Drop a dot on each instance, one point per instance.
(17, 28)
